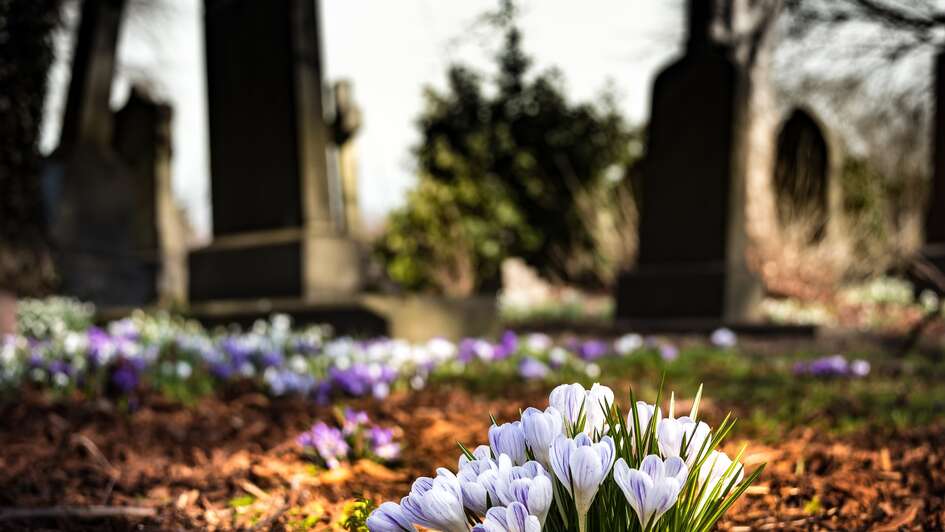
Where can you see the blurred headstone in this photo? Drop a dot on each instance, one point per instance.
(143, 141)
(345, 126)
(691, 263)
(802, 179)
(933, 248)
(274, 232)
(107, 186)
(89, 190)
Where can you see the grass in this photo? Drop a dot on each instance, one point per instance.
(760, 389)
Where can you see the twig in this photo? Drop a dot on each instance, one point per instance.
(80, 512)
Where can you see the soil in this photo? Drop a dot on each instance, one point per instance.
(232, 464)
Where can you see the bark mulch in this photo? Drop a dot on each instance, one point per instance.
(232, 464)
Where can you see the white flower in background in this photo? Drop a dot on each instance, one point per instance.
(441, 349)
(592, 370)
(653, 489)
(436, 503)
(628, 343)
(558, 355)
(540, 430)
(508, 439)
(184, 369)
(582, 466)
(672, 432)
(298, 364)
(724, 338)
(860, 368)
(538, 342)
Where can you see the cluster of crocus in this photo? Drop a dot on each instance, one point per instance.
(580, 464)
(833, 366)
(357, 438)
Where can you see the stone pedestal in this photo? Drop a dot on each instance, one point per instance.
(275, 233)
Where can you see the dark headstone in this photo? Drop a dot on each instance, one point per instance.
(801, 175)
(933, 249)
(691, 263)
(268, 141)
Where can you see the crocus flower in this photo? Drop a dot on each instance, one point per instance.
(477, 482)
(327, 442)
(382, 443)
(723, 338)
(653, 489)
(714, 473)
(530, 368)
(569, 399)
(582, 466)
(508, 439)
(859, 368)
(671, 433)
(592, 349)
(389, 517)
(512, 518)
(668, 352)
(645, 412)
(436, 503)
(627, 344)
(354, 420)
(540, 430)
(529, 485)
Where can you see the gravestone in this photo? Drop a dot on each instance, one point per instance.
(275, 233)
(692, 234)
(107, 186)
(87, 186)
(143, 141)
(802, 175)
(933, 248)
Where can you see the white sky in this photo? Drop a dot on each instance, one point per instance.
(390, 50)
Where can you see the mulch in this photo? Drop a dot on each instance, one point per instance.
(232, 464)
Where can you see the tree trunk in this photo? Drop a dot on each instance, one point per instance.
(25, 58)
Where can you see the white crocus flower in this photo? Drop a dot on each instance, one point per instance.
(569, 399)
(582, 466)
(541, 429)
(672, 432)
(508, 439)
(653, 489)
(436, 503)
(513, 518)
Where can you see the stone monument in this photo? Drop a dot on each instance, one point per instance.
(691, 264)
(274, 234)
(346, 123)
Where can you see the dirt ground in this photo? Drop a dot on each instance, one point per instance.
(168, 467)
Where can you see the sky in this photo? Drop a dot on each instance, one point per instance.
(390, 50)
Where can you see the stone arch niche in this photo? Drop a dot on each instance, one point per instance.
(803, 176)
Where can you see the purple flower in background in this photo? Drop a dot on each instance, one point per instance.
(668, 351)
(467, 350)
(723, 338)
(271, 358)
(530, 368)
(326, 442)
(382, 443)
(592, 349)
(125, 378)
(833, 366)
(354, 420)
(506, 347)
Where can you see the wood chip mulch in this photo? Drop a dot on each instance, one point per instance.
(232, 464)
